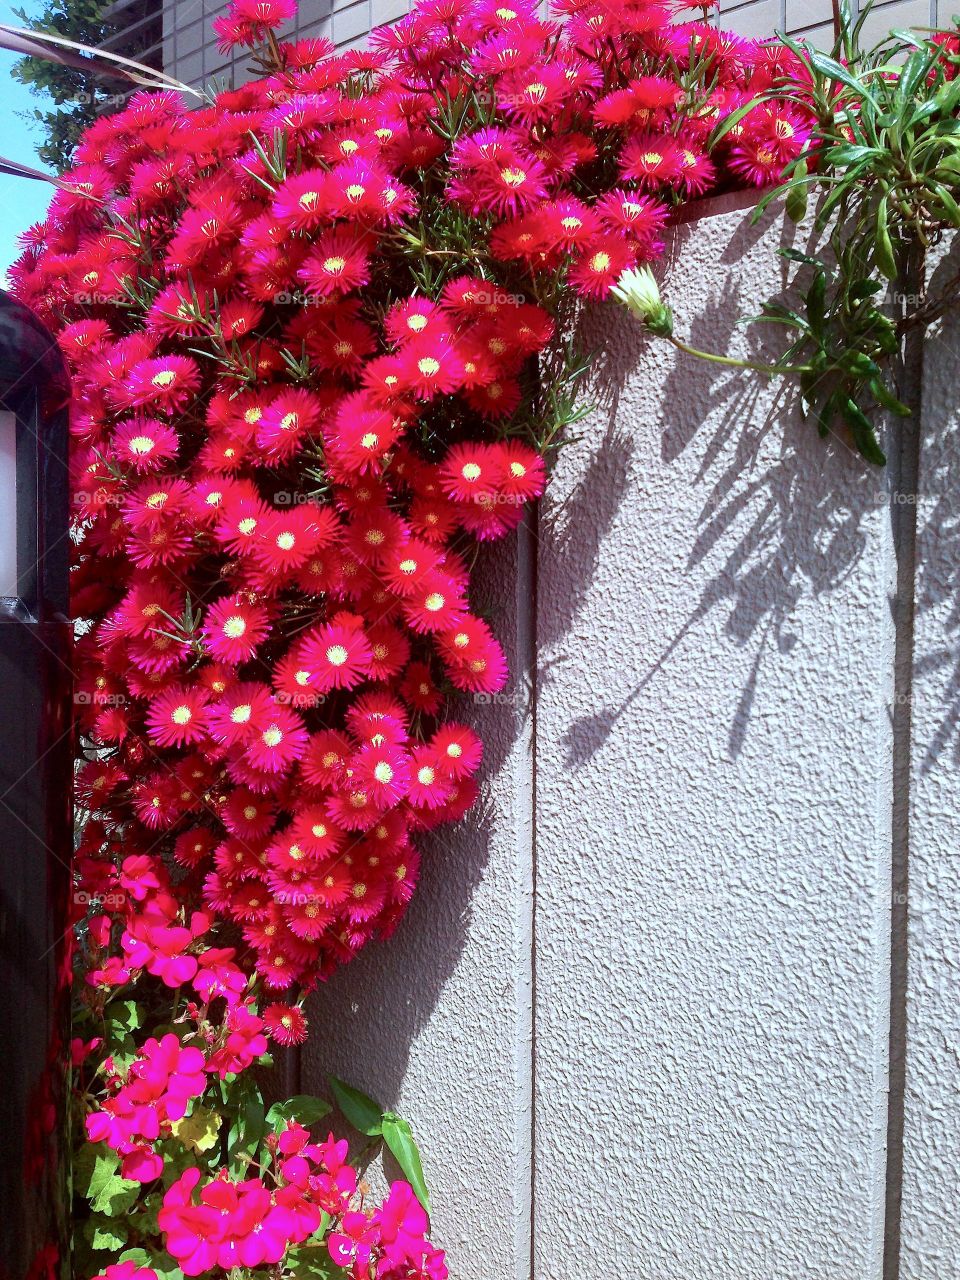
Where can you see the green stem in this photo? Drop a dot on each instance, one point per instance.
(773, 370)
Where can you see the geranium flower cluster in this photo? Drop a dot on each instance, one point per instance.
(225, 1223)
(304, 323)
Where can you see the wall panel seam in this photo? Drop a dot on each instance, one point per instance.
(904, 482)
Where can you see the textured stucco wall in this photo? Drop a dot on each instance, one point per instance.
(660, 1026)
(713, 815)
(931, 1160)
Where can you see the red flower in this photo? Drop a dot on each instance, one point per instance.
(285, 1024)
(339, 653)
(234, 628)
(276, 741)
(177, 716)
(166, 383)
(146, 443)
(247, 21)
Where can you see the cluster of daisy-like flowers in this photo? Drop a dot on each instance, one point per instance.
(303, 324)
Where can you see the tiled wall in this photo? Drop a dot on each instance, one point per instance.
(812, 18)
(190, 52)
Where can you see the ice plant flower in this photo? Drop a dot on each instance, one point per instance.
(320, 395)
(639, 292)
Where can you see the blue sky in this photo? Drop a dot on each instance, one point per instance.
(24, 201)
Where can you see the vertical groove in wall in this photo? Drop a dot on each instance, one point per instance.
(904, 481)
(533, 560)
(291, 1071)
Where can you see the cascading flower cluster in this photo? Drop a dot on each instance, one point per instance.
(303, 323)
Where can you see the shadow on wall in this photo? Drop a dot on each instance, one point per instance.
(376, 1006)
(776, 514)
(937, 589)
(780, 511)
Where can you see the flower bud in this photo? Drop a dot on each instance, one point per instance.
(639, 292)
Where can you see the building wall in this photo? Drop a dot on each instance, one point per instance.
(190, 52)
(641, 1009)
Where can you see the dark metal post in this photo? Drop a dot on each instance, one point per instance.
(36, 762)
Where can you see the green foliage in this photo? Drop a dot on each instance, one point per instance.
(359, 1110)
(883, 177)
(886, 174)
(74, 94)
(399, 1139)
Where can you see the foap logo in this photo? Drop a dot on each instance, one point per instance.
(297, 298)
(111, 901)
(300, 701)
(84, 698)
(290, 498)
(498, 500)
(88, 499)
(489, 295)
(294, 898)
(92, 298)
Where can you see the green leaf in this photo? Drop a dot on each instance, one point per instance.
(859, 363)
(116, 1196)
(362, 1112)
(834, 70)
(816, 300)
(139, 1256)
(797, 255)
(104, 1233)
(950, 206)
(797, 194)
(846, 153)
(312, 1261)
(883, 246)
(399, 1138)
(304, 1109)
(124, 1014)
(199, 1130)
(247, 1130)
(864, 436)
(732, 120)
(885, 397)
(161, 1263)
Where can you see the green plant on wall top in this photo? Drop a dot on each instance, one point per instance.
(883, 176)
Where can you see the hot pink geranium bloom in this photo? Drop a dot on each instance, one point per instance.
(403, 1225)
(159, 1085)
(235, 1224)
(127, 1271)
